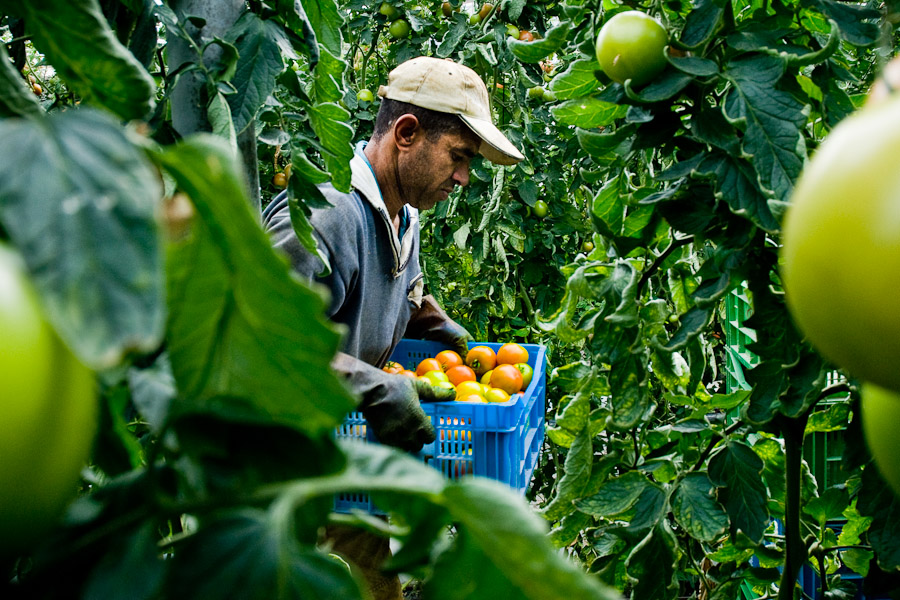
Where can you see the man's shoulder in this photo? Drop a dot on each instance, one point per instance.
(342, 208)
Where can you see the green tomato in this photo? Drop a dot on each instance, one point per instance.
(474, 19)
(48, 410)
(587, 246)
(540, 209)
(841, 246)
(399, 29)
(512, 31)
(631, 45)
(880, 413)
(390, 12)
(536, 92)
(435, 377)
(365, 95)
(527, 373)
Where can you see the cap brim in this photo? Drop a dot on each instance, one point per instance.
(495, 147)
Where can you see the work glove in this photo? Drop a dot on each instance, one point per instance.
(390, 402)
(430, 322)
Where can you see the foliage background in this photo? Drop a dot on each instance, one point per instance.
(675, 457)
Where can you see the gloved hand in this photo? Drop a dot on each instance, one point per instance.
(390, 402)
(430, 322)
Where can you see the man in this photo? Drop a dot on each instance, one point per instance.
(433, 119)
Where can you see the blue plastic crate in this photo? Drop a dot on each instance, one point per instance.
(500, 441)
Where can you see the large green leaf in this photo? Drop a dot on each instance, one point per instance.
(86, 53)
(651, 565)
(772, 118)
(588, 112)
(259, 63)
(329, 121)
(246, 339)
(696, 508)
(576, 81)
(577, 471)
(736, 471)
(532, 52)
(79, 200)
(326, 21)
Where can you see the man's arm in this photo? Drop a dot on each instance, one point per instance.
(431, 322)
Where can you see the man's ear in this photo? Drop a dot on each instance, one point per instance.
(407, 130)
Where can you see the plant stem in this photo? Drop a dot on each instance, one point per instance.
(795, 551)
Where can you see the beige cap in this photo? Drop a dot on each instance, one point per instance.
(445, 86)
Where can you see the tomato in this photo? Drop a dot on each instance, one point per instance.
(399, 29)
(880, 415)
(468, 388)
(474, 19)
(485, 11)
(481, 359)
(392, 367)
(447, 9)
(460, 373)
(448, 359)
(526, 36)
(587, 246)
(536, 92)
(496, 395)
(408, 373)
(510, 354)
(48, 410)
(390, 12)
(512, 31)
(527, 373)
(472, 398)
(541, 209)
(486, 378)
(507, 378)
(631, 45)
(365, 95)
(841, 246)
(428, 364)
(287, 171)
(434, 377)
(279, 180)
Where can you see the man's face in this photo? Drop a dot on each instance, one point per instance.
(430, 171)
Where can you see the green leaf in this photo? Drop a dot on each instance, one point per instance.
(86, 53)
(219, 114)
(16, 99)
(773, 119)
(858, 23)
(516, 542)
(833, 418)
(247, 553)
(329, 121)
(74, 179)
(736, 471)
(736, 183)
(606, 148)
(696, 508)
(131, 563)
(574, 479)
(588, 112)
(830, 505)
(651, 565)
(702, 23)
(326, 21)
(576, 81)
(533, 52)
(630, 495)
(259, 63)
(878, 500)
(328, 76)
(230, 355)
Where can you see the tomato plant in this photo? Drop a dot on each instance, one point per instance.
(631, 45)
(48, 410)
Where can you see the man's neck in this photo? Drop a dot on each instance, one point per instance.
(385, 168)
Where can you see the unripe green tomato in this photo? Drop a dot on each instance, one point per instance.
(841, 246)
(399, 29)
(587, 246)
(365, 95)
(390, 12)
(536, 92)
(540, 209)
(631, 45)
(474, 19)
(48, 410)
(880, 414)
(512, 31)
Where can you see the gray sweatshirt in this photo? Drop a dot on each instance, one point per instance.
(375, 280)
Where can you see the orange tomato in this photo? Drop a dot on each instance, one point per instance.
(507, 378)
(392, 367)
(460, 373)
(481, 359)
(408, 373)
(510, 354)
(526, 36)
(448, 359)
(429, 364)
